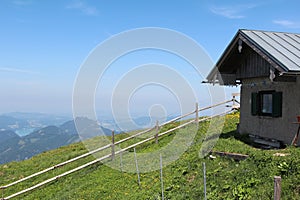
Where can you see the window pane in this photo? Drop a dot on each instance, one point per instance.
(267, 103)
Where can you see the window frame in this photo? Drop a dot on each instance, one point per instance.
(261, 103)
(257, 103)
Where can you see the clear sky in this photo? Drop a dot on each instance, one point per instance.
(43, 43)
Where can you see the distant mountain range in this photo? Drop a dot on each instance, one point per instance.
(25, 123)
(16, 148)
(23, 135)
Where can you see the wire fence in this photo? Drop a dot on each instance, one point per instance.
(113, 153)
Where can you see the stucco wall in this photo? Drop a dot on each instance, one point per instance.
(280, 128)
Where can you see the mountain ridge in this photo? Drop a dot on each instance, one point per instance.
(16, 148)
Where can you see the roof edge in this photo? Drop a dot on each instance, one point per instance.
(253, 45)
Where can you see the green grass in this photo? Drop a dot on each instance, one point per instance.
(183, 179)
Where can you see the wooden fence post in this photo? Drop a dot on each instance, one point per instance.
(234, 105)
(156, 131)
(197, 114)
(277, 187)
(113, 145)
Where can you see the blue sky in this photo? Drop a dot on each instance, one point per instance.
(44, 43)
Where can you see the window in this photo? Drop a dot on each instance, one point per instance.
(266, 103)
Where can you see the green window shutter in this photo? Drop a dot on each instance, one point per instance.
(277, 104)
(254, 103)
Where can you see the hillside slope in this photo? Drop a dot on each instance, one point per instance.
(183, 179)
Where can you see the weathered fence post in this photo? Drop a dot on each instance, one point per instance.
(204, 180)
(137, 167)
(234, 105)
(113, 145)
(156, 131)
(197, 114)
(277, 187)
(233, 101)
